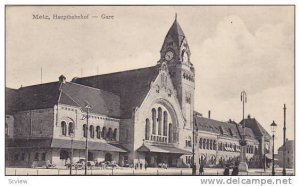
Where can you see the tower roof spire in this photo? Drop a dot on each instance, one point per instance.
(176, 32)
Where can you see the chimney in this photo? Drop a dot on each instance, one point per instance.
(209, 114)
(249, 116)
(62, 79)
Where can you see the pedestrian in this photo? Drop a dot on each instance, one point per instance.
(235, 170)
(141, 166)
(226, 170)
(201, 169)
(146, 165)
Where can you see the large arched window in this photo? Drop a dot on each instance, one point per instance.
(159, 120)
(104, 132)
(153, 121)
(147, 129)
(170, 133)
(98, 132)
(63, 128)
(115, 134)
(71, 128)
(165, 126)
(92, 132)
(84, 129)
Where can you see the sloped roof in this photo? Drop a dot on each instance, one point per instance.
(132, 86)
(290, 144)
(248, 131)
(10, 100)
(38, 96)
(176, 33)
(101, 102)
(48, 94)
(256, 127)
(210, 125)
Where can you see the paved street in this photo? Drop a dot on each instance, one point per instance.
(129, 171)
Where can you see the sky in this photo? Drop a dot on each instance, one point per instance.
(233, 48)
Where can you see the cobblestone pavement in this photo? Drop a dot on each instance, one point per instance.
(130, 171)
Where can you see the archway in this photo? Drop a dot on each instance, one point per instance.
(108, 157)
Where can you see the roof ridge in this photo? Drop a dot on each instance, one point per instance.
(93, 88)
(118, 72)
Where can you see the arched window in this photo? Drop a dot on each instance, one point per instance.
(115, 134)
(63, 128)
(84, 129)
(170, 133)
(200, 143)
(153, 121)
(210, 144)
(98, 132)
(159, 120)
(92, 132)
(109, 134)
(104, 133)
(71, 128)
(147, 129)
(204, 142)
(165, 125)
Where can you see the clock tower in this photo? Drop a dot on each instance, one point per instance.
(175, 52)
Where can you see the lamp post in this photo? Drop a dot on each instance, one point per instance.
(71, 159)
(273, 129)
(284, 141)
(193, 147)
(243, 167)
(86, 139)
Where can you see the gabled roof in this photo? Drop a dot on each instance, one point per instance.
(256, 127)
(49, 94)
(221, 128)
(38, 96)
(132, 86)
(100, 101)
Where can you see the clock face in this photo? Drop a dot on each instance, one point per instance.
(169, 55)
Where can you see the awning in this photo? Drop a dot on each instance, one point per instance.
(162, 149)
(268, 156)
(61, 143)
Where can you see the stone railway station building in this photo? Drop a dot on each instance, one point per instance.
(136, 116)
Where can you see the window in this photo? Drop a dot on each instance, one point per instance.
(165, 125)
(44, 156)
(170, 133)
(63, 128)
(84, 128)
(153, 121)
(159, 120)
(63, 155)
(147, 129)
(200, 143)
(104, 132)
(98, 132)
(109, 134)
(92, 132)
(36, 156)
(115, 134)
(71, 128)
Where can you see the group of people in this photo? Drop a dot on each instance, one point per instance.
(235, 169)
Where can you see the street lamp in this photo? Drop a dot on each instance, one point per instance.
(284, 140)
(71, 159)
(193, 147)
(273, 129)
(243, 167)
(88, 107)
